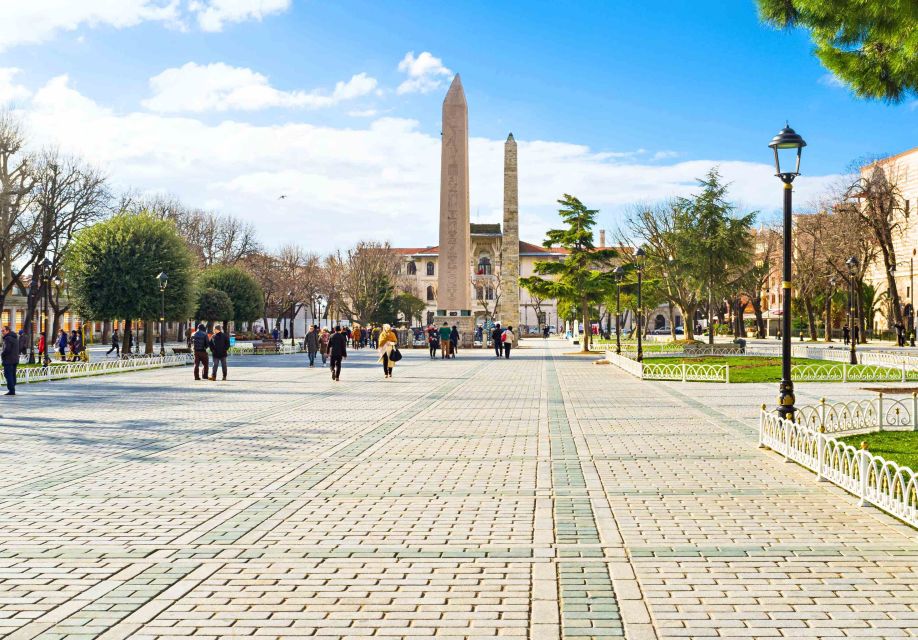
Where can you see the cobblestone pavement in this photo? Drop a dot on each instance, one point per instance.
(540, 497)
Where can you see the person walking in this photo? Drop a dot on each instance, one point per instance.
(62, 344)
(445, 332)
(41, 346)
(433, 342)
(355, 336)
(311, 344)
(275, 334)
(323, 345)
(23, 342)
(337, 349)
(199, 342)
(116, 345)
(219, 349)
(454, 341)
(495, 340)
(846, 334)
(375, 336)
(9, 356)
(388, 342)
(507, 340)
(80, 347)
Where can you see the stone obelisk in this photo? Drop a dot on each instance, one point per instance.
(510, 246)
(453, 282)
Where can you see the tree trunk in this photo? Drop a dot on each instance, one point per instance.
(148, 336)
(587, 329)
(740, 318)
(106, 331)
(688, 320)
(828, 316)
(810, 318)
(672, 320)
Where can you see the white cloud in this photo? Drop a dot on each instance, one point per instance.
(212, 15)
(363, 113)
(34, 21)
(10, 92)
(382, 177)
(425, 73)
(220, 87)
(665, 155)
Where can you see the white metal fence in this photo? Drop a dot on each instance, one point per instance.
(251, 350)
(81, 369)
(873, 479)
(881, 413)
(686, 372)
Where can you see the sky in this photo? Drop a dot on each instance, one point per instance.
(230, 104)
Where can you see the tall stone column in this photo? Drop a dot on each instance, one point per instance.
(510, 247)
(453, 282)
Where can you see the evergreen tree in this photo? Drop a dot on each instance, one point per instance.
(872, 45)
(583, 276)
(112, 268)
(240, 286)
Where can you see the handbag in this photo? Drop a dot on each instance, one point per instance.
(396, 355)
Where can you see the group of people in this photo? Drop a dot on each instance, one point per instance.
(502, 340)
(445, 340)
(218, 343)
(332, 346)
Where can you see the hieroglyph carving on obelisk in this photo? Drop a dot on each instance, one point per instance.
(453, 286)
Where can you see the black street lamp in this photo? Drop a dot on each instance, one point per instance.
(46, 294)
(58, 283)
(640, 315)
(33, 305)
(788, 147)
(292, 317)
(852, 264)
(163, 280)
(619, 273)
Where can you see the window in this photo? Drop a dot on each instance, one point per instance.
(412, 269)
(484, 266)
(430, 294)
(430, 271)
(489, 293)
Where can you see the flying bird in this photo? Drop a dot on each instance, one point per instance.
(284, 197)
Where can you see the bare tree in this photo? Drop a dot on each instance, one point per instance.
(767, 256)
(881, 206)
(368, 277)
(265, 269)
(17, 219)
(488, 291)
(68, 195)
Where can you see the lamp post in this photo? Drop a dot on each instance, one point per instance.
(33, 305)
(58, 283)
(788, 147)
(640, 315)
(619, 274)
(163, 280)
(292, 317)
(852, 264)
(45, 271)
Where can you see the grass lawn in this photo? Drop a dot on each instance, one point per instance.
(899, 446)
(742, 368)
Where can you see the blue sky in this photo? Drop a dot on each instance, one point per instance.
(615, 101)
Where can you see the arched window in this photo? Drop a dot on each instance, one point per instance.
(412, 269)
(484, 266)
(430, 294)
(430, 270)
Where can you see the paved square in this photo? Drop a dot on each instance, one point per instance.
(541, 497)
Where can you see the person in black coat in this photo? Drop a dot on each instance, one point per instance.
(219, 348)
(495, 340)
(10, 359)
(199, 342)
(337, 349)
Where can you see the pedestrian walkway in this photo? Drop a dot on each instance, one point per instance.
(538, 497)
